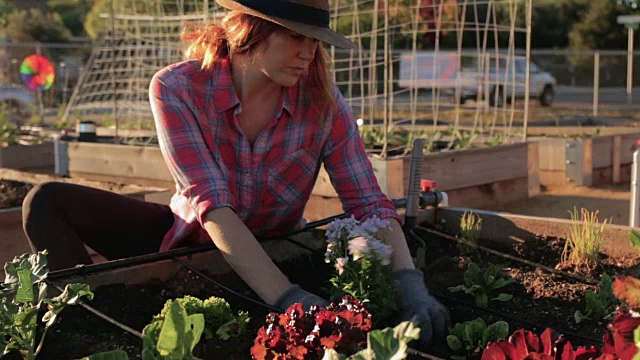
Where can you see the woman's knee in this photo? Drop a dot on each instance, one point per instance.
(39, 201)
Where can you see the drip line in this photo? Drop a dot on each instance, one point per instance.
(510, 257)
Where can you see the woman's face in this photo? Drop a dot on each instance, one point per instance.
(285, 56)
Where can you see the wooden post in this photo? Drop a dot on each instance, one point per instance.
(616, 158)
(533, 168)
(390, 174)
(587, 162)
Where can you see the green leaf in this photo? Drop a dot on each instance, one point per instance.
(24, 293)
(71, 295)
(108, 355)
(502, 283)
(473, 275)
(454, 343)
(636, 340)
(482, 300)
(172, 334)
(594, 305)
(634, 237)
(36, 263)
(499, 330)
(475, 329)
(490, 275)
(503, 297)
(458, 331)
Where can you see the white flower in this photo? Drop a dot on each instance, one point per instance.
(358, 247)
(340, 264)
(382, 251)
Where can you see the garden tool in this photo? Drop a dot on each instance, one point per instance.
(413, 204)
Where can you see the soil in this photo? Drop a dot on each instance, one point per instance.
(540, 299)
(12, 193)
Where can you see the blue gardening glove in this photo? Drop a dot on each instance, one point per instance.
(295, 294)
(421, 308)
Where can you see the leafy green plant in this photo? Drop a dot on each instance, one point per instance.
(383, 344)
(601, 305)
(218, 317)
(484, 285)
(587, 235)
(470, 226)
(469, 339)
(26, 276)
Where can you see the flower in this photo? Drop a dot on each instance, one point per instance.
(358, 247)
(340, 264)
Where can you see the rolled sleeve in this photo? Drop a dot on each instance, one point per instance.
(192, 164)
(350, 169)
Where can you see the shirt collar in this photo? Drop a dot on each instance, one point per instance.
(225, 96)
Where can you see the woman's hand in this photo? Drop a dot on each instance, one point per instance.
(418, 306)
(296, 294)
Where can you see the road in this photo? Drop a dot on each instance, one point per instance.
(615, 97)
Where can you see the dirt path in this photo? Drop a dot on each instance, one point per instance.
(612, 201)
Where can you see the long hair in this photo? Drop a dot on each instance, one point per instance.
(241, 33)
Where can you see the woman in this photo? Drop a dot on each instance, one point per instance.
(243, 124)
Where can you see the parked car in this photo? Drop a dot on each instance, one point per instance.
(18, 99)
(505, 82)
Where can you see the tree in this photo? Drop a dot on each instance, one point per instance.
(35, 26)
(599, 28)
(73, 13)
(6, 9)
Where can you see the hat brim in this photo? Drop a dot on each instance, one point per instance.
(323, 34)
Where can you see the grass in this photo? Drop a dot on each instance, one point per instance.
(587, 235)
(470, 226)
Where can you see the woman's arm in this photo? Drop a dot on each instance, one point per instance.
(245, 255)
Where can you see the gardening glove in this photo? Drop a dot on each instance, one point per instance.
(295, 294)
(420, 308)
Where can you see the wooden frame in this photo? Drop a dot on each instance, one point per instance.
(27, 157)
(590, 161)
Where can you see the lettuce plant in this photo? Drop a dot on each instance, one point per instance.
(218, 317)
(297, 334)
(26, 276)
(484, 285)
(600, 305)
(469, 339)
(362, 263)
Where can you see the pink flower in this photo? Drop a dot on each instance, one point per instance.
(358, 247)
(340, 264)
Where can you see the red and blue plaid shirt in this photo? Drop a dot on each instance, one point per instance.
(267, 184)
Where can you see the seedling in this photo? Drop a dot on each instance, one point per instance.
(470, 338)
(599, 306)
(483, 285)
(26, 276)
(587, 235)
(470, 226)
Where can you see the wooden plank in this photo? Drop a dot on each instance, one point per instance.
(391, 176)
(121, 161)
(587, 162)
(505, 228)
(533, 168)
(602, 151)
(467, 168)
(578, 131)
(552, 153)
(553, 177)
(496, 194)
(616, 149)
(26, 157)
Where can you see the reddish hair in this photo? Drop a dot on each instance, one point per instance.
(241, 33)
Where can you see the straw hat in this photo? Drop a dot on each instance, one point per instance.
(307, 17)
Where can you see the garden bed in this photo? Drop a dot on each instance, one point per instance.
(541, 297)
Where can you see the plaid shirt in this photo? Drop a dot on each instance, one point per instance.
(267, 184)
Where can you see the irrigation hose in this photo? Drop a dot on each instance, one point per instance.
(510, 257)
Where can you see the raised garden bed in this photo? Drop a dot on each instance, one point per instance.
(543, 296)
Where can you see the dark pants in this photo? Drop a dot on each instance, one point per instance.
(63, 217)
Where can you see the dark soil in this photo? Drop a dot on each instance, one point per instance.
(540, 300)
(12, 193)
